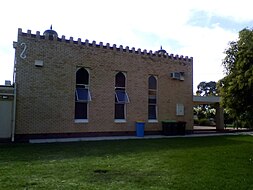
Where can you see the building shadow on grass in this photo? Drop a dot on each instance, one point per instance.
(61, 151)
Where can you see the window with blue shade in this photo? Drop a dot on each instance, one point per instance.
(121, 97)
(82, 95)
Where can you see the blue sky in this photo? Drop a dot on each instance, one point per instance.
(200, 29)
(205, 19)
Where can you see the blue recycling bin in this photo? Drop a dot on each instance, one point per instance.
(140, 125)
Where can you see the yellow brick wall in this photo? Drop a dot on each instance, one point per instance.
(46, 95)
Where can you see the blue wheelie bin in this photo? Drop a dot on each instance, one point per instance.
(140, 125)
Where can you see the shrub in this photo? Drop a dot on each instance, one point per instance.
(204, 122)
(196, 122)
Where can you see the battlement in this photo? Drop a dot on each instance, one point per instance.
(105, 46)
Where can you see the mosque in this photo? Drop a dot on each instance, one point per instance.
(74, 88)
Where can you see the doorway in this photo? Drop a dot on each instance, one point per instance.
(5, 118)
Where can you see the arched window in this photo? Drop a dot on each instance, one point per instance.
(152, 83)
(82, 77)
(82, 94)
(152, 98)
(121, 97)
(120, 80)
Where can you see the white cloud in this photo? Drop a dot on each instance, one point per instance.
(140, 24)
(206, 46)
(240, 11)
(6, 66)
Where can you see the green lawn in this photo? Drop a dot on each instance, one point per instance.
(224, 162)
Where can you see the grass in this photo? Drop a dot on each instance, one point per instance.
(224, 162)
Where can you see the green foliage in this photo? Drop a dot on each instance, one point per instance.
(224, 162)
(200, 111)
(227, 118)
(204, 122)
(205, 111)
(236, 88)
(196, 121)
(207, 89)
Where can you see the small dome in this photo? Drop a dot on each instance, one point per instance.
(162, 51)
(50, 32)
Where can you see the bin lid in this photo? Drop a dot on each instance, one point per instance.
(140, 121)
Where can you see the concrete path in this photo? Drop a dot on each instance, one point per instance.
(214, 128)
(132, 137)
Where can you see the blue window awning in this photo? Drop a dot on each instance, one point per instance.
(83, 94)
(121, 96)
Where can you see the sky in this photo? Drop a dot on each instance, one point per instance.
(201, 29)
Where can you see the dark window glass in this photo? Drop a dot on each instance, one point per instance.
(119, 111)
(121, 97)
(152, 83)
(82, 94)
(82, 76)
(152, 100)
(120, 80)
(151, 111)
(81, 110)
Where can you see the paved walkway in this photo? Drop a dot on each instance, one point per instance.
(133, 137)
(214, 128)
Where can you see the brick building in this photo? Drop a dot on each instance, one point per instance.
(82, 88)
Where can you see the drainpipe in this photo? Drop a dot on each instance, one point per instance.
(14, 113)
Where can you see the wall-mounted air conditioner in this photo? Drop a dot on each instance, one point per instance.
(7, 83)
(177, 75)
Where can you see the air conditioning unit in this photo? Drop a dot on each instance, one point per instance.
(177, 75)
(7, 83)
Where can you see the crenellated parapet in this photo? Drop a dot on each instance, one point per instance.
(120, 48)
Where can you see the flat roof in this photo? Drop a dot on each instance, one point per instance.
(206, 99)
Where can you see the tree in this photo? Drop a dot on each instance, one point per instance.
(236, 88)
(207, 89)
(205, 111)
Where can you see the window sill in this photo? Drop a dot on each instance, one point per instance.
(119, 120)
(152, 121)
(81, 121)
